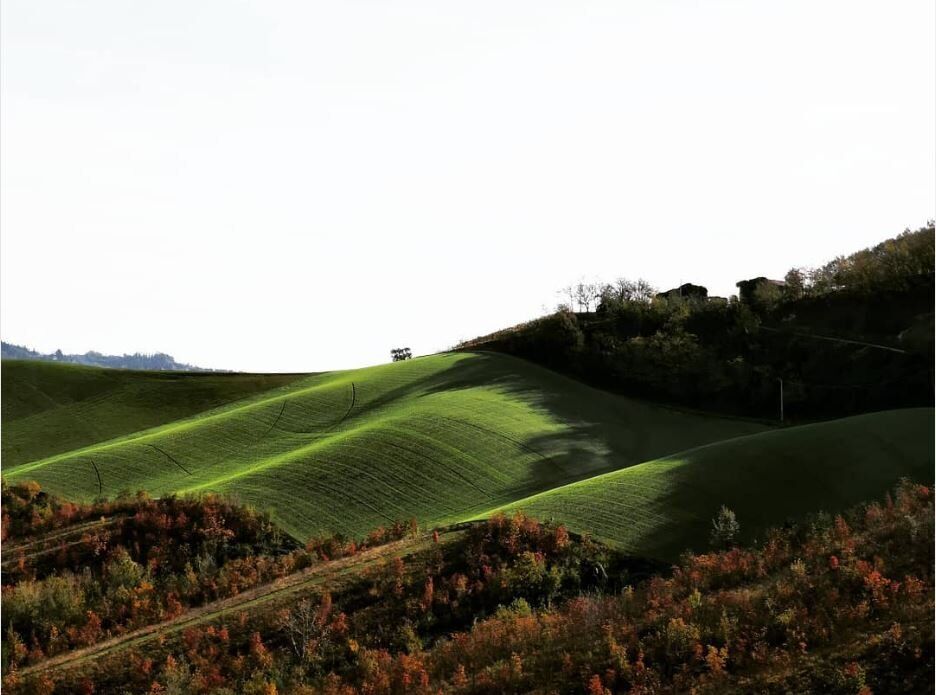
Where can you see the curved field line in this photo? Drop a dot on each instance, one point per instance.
(353, 498)
(259, 596)
(100, 485)
(317, 432)
(438, 463)
(348, 411)
(270, 429)
(197, 420)
(523, 446)
(163, 452)
(337, 493)
(353, 467)
(287, 457)
(39, 392)
(334, 424)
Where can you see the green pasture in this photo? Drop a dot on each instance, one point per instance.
(661, 507)
(443, 439)
(50, 408)
(438, 438)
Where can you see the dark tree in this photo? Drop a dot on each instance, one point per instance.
(400, 354)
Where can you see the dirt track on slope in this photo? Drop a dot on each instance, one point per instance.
(324, 575)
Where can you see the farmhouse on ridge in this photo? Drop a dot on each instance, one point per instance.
(686, 291)
(747, 288)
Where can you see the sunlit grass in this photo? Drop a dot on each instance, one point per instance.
(439, 438)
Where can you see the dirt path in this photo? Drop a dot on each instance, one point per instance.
(58, 534)
(10, 561)
(262, 595)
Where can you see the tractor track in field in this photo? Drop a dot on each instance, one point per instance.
(461, 476)
(486, 430)
(100, 485)
(327, 429)
(339, 493)
(259, 597)
(283, 429)
(525, 447)
(348, 411)
(168, 456)
(270, 428)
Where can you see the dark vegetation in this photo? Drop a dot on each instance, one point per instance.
(158, 361)
(837, 605)
(853, 336)
(401, 354)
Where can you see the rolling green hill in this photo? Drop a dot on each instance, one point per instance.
(51, 408)
(443, 439)
(661, 507)
(437, 438)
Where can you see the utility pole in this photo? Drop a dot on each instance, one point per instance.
(780, 379)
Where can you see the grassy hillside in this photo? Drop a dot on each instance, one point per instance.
(439, 438)
(52, 408)
(442, 439)
(661, 507)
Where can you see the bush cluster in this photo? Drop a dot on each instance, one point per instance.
(838, 605)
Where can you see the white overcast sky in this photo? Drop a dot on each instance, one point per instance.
(285, 186)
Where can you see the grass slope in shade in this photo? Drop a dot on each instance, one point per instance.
(49, 408)
(661, 507)
(438, 438)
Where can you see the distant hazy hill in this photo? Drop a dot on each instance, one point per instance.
(158, 361)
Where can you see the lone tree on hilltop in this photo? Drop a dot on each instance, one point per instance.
(400, 354)
(725, 528)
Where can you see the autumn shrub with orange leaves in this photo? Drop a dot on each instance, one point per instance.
(843, 605)
(839, 604)
(135, 561)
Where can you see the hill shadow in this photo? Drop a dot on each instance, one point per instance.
(600, 431)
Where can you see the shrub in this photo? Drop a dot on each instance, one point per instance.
(725, 528)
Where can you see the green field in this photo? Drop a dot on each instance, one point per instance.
(442, 439)
(438, 438)
(660, 507)
(51, 408)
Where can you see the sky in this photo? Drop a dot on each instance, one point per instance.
(301, 186)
